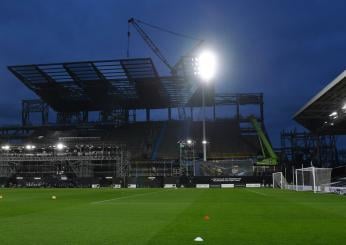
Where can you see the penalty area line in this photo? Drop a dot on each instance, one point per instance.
(126, 197)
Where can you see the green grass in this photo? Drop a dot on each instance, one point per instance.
(167, 216)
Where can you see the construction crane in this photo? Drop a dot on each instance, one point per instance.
(147, 39)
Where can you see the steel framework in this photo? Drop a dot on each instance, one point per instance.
(34, 106)
(106, 84)
(90, 160)
(187, 157)
(155, 168)
(307, 149)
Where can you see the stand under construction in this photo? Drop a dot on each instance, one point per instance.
(101, 121)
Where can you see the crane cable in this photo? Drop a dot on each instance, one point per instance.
(128, 40)
(157, 28)
(169, 31)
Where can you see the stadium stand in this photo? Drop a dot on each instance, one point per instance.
(115, 145)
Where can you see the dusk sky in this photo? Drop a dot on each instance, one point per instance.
(289, 50)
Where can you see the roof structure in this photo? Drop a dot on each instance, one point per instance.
(106, 84)
(325, 113)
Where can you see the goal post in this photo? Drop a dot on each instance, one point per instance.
(279, 180)
(312, 178)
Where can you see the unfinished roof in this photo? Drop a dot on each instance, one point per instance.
(324, 113)
(104, 85)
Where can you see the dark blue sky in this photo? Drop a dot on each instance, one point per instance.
(286, 49)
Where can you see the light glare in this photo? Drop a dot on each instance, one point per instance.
(333, 114)
(60, 146)
(5, 147)
(30, 147)
(206, 65)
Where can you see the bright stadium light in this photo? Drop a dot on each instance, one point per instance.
(189, 142)
(206, 65)
(5, 147)
(60, 146)
(344, 107)
(30, 147)
(333, 114)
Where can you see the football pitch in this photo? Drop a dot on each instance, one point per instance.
(170, 216)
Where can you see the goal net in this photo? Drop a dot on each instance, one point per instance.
(279, 181)
(312, 179)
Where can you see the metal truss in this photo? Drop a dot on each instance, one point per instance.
(78, 160)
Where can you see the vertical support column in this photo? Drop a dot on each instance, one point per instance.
(25, 114)
(238, 113)
(191, 113)
(147, 114)
(169, 113)
(85, 116)
(127, 116)
(261, 109)
(214, 112)
(45, 110)
(132, 115)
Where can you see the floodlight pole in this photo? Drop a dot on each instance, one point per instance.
(204, 141)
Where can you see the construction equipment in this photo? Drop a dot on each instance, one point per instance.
(148, 40)
(269, 156)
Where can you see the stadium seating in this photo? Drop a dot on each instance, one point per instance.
(159, 139)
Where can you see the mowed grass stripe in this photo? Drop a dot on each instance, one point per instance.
(128, 196)
(152, 216)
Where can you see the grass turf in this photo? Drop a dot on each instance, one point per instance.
(170, 216)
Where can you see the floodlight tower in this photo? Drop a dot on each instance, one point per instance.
(206, 71)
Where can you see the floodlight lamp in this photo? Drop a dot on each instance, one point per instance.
(60, 146)
(204, 142)
(30, 147)
(189, 142)
(5, 147)
(333, 114)
(206, 65)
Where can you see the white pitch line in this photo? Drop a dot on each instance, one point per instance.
(126, 197)
(258, 193)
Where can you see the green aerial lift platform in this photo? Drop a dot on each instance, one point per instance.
(270, 157)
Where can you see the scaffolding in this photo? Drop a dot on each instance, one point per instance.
(308, 149)
(74, 161)
(187, 157)
(34, 106)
